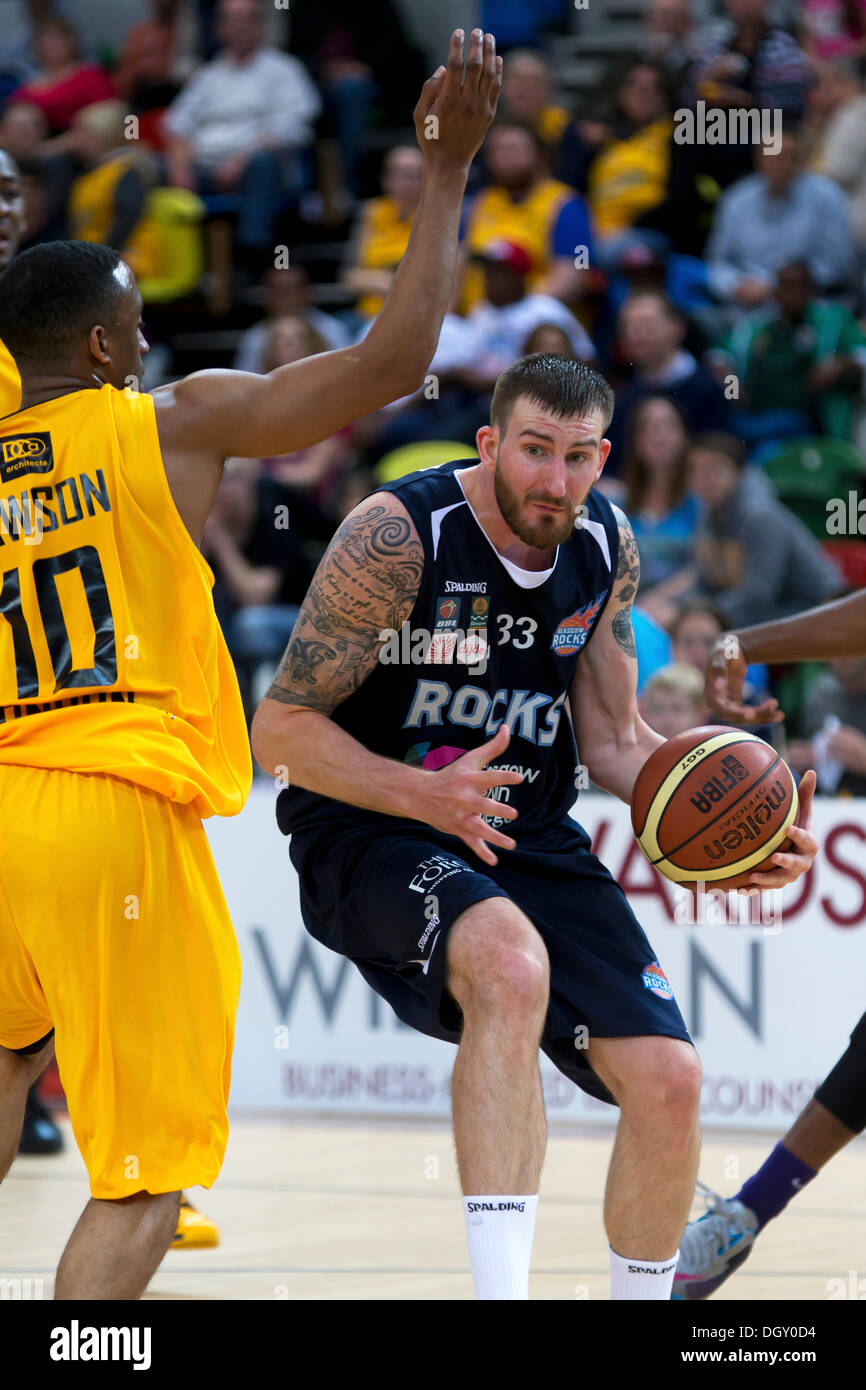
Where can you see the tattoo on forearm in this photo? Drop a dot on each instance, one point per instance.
(368, 580)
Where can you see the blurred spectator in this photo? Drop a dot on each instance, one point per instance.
(46, 172)
(526, 95)
(672, 700)
(671, 37)
(837, 135)
(156, 51)
(833, 28)
(158, 55)
(287, 294)
(755, 560)
(23, 129)
(254, 542)
(774, 216)
(473, 351)
(651, 333)
(652, 644)
(317, 471)
(664, 517)
(239, 122)
(744, 61)
(834, 723)
(798, 363)
(694, 628)
(382, 229)
(524, 205)
(496, 329)
(107, 202)
(549, 338)
(64, 84)
(629, 174)
(361, 57)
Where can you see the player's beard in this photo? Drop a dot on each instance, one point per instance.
(548, 530)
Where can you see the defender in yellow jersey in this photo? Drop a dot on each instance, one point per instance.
(39, 1133)
(120, 719)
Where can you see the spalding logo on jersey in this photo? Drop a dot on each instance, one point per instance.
(572, 632)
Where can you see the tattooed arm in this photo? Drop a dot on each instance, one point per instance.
(612, 737)
(366, 583)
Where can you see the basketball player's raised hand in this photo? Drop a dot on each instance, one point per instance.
(723, 691)
(456, 799)
(454, 111)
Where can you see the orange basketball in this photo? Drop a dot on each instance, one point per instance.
(712, 805)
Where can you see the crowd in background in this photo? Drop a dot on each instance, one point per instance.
(720, 285)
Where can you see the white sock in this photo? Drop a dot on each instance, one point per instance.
(649, 1280)
(500, 1230)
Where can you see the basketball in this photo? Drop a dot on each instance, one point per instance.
(713, 805)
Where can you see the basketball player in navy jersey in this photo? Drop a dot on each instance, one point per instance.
(718, 1243)
(431, 778)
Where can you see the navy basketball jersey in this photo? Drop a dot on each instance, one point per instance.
(486, 643)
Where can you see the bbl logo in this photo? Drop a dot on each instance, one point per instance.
(447, 612)
(25, 453)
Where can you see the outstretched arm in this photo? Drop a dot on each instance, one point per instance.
(611, 735)
(220, 413)
(831, 630)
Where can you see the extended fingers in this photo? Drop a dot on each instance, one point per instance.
(475, 56)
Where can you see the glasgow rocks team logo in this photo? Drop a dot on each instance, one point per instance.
(572, 632)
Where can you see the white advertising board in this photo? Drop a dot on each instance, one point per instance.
(769, 1003)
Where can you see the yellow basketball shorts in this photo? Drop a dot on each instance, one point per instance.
(115, 932)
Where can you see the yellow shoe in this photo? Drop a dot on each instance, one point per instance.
(194, 1231)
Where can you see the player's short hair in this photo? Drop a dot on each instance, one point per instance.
(562, 385)
(53, 294)
(718, 442)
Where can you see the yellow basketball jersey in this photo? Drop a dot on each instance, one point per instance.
(530, 222)
(10, 382)
(384, 238)
(111, 657)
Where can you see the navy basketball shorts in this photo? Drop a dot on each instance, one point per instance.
(387, 902)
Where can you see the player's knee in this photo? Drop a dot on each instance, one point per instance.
(667, 1091)
(499, 964)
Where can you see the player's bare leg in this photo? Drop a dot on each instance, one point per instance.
(117, 1247)
(650, 1183)
(17, 1075)
(816, 1135)
(499, 975)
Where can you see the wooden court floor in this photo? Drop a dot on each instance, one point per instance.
(327, 1209)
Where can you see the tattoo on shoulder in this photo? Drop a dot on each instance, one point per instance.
(367, 581)
(628, 578)
(629, 559)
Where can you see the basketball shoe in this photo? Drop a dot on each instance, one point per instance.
(195, 1231)
(713, 1246)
